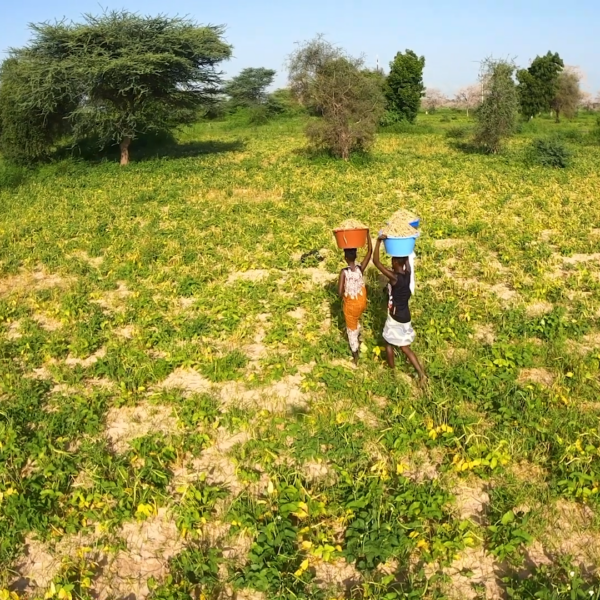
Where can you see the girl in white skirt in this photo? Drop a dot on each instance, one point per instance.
(398, 331)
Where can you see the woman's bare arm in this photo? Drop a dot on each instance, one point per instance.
(377, 261)
(341, 283)
(367, 259)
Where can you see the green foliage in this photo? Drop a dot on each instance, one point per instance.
(551, 152)
(538, 84)
(404, 87)
(31, 125)
(497, 115)
(568, 95)
(11, 175)
(457, 132)
(335, 86)
(249, 88)
(110, 78)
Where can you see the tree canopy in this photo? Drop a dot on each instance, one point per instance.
(113, 77)
(538, 84)
(497, 116)
(568, 94)
(404, 86)
(338, 87)
(249, 88)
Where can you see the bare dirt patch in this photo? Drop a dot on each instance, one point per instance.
(471, 499)
(318, 277)
(527, 471)
(129, 422)
(71, 361)
(37, 567)
(474, 568)
(539, 375)
(14, 331)
(422, 465)
(213, 463)
(187, 380)
(484, 333)
(447, 243)
(250, 275)
(30, 281)
(150, 544)
(114, 299)
(570, 530)
(94, 261)
(576, 259)
(338, 576)
(47, 322)
(503, 292)
(537, 309)
(127, 332)
(318, 471)
(281, 395)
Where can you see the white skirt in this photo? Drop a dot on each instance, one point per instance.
(398, 334)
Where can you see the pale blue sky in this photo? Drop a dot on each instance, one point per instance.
(450, 35)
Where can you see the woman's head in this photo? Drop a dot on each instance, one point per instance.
(399, 263)
(350, 255)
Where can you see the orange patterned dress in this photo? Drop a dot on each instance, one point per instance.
(355, 303)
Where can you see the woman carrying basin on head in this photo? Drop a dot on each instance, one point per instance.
(398, 331)
(352, 290)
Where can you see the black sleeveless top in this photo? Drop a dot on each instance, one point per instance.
(399, 296)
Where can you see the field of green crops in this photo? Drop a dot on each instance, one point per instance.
(179, 415)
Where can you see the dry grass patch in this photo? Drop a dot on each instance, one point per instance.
(318, 471)
(113, 300)
(422, 465)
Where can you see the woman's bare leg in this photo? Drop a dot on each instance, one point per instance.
(414, 361)
(389, 351)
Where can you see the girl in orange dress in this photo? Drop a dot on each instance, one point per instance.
(352, 290)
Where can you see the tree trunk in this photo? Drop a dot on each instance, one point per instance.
(125, 150)
(558, 116)
(467, 112)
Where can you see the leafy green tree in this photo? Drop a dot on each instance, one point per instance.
(568, 94)
(116, 76)
(498, 113)
(28, 131)
(335, 85)
(404, 86)
(249, 88)
(538, 84)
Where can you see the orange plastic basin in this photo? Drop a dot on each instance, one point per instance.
(351, 238)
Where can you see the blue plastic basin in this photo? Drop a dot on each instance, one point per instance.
(400, 246)
(415, 223)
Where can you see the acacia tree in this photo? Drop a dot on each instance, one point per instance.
(497, 116)
(334, 85)
(538, 84)
(568, 94)
(122, 74)
(404, 86)
(249, 88)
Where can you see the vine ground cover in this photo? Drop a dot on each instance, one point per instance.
(179, 417)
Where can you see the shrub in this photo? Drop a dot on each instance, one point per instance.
(445, 119)
(11, 176)
(457, 132)
(551, 152)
